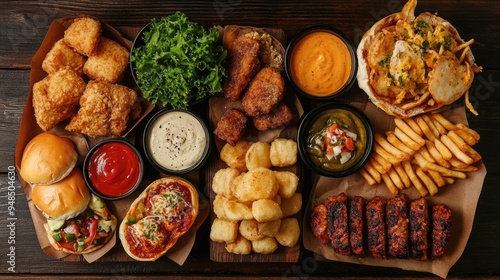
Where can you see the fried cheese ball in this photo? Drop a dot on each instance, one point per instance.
(109, 63)
(234, 156)
(266, 245)
(266, 210)
(283, 152)
(223, 231)
(258, 183)
(288, 183)
(292, 205)
(223, 178)
(83, 35)
(56, 97)
(289, 232)
(241, 246)
(250, 230)
(60, 56)
(258, 155)
(104, 110)
(270, 228)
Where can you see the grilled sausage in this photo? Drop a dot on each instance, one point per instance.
(356, 206)
(419, 227)
(397, 226)
(441, 229)
(319, 223)
(375, 224)
(338, 230)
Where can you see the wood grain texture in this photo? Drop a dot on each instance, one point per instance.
(23, 27)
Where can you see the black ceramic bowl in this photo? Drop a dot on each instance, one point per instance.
(176, 141)
(113, 169)
(321, 55)
(315, 119)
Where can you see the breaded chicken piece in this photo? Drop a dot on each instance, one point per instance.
(61, 55)
(104, 110)
(231, 126)
(83, 35)
(56, 97)
(243, 64)
(281, 115)
(265, 91)
(109, 62)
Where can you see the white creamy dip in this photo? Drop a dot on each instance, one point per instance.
(177, 140)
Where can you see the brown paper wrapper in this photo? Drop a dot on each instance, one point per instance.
(461, 197)
(30, 129)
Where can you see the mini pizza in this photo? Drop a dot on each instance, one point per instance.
(85, 233)
(409, 65)
(161, 214)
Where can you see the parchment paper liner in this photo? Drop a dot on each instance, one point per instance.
(461, 197)
(29, 129)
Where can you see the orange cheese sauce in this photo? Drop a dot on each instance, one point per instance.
(320, 63)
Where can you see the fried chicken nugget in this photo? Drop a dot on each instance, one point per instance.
(265, 91)
(243, 64)
(56, 97)
(83, 35)
(231, 126)
(109, 62)
(104, 110)
(62, 55)
(279, 116)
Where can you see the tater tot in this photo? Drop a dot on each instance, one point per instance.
(283, 152)
(289, 232)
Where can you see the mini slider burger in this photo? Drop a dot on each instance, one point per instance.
(77, 222)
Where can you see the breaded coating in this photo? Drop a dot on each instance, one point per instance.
(104, 110)
(83, 35)
(56, 97)
(61, 55)
(109, 62)
(265, 91)
(243, 64)
(231, 126)
(279, 116)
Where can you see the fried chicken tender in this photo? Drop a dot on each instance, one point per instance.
(243, 64)
(56, 97)
(61, 55)
(265, 91)
(279, 116)
(109, 62)
(231, 126)
(104, 110)
(83, 35)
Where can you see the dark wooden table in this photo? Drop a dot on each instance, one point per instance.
(23, 25)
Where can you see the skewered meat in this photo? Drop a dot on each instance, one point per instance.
(338, 230)
(375, 209)
(419, 227)
(397, 226)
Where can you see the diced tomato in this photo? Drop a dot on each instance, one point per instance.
(67, 245)
(329, 149)
(349, 144)
(332, 128)
(92, 230)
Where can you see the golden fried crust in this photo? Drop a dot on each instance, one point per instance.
(266, 90)
(104, 110)
(109, 62)
(62, 55)
(56, 97)
(83, 35)
(280, 115)
(231, 126)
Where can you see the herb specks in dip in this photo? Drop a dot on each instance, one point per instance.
(177, 140)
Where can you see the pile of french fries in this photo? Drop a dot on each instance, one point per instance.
(427, 152)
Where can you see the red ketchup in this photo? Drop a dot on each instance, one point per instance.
(114, 169)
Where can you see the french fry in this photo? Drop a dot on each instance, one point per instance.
(440, 128)
(469, 130)
(414, 126)
(382, 161)
(389, 184)
(425, 128)
(406, 139)
(402, 175)
(436, 177)
(436, 155)
(466, 169)
(457, 164)
(424, 164)
(449, 180)
(443, 150)
(373, 172)
(385, 154)
(369, 179)
(455, 150)
(467, 137)
(431, 125)
(394, 140)
(390, 148)
(408, 131)
(414, 179)
(428, 182)
(377, 166)
(464, 147)
(443, 121)
(425, 153)
(395, 179)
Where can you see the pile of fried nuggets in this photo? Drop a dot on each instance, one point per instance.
(99, 107)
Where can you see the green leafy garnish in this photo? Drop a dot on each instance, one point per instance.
(179, 61)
